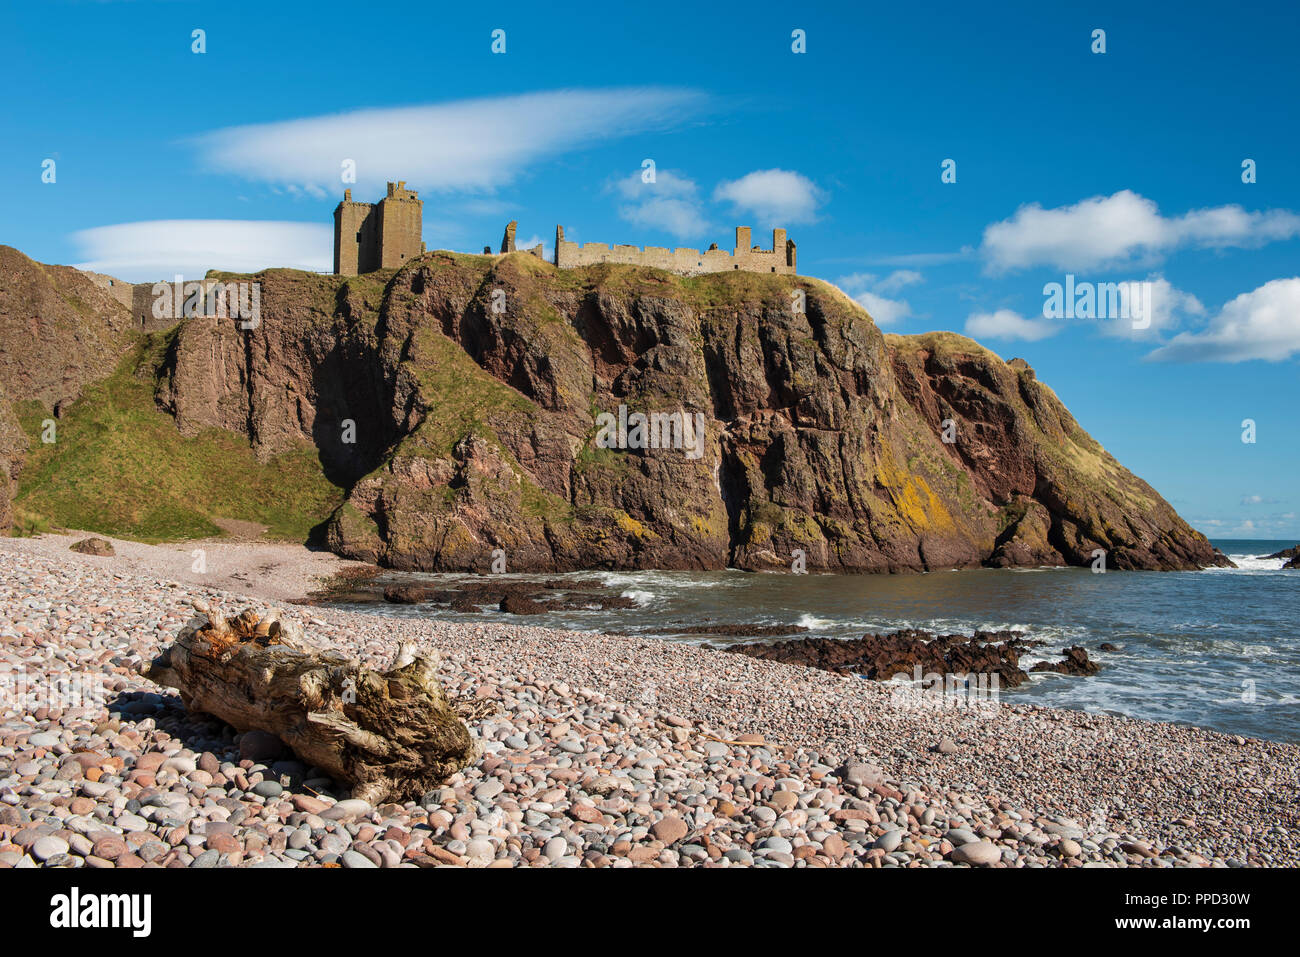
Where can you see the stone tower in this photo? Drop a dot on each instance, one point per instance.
(383, 235)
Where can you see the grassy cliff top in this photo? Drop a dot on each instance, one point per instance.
(939, 342)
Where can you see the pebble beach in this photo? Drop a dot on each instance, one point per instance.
(598, 751)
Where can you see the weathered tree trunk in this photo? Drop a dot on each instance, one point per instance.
(390, 736)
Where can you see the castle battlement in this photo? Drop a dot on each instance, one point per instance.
(745, 257)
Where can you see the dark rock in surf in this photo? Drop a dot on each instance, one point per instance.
(1076, 662)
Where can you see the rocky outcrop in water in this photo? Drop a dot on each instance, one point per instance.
(911, 653)
(1076, 662)
(1286, 554)
(511, 596)
(919, 654)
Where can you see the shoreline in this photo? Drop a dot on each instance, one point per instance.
(649, 769)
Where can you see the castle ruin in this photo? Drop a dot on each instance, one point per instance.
(779, 259)
(383, 235)
(386, 235)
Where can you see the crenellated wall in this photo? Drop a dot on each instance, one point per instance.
(779, 259)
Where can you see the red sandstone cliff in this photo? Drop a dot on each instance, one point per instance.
(458, 428)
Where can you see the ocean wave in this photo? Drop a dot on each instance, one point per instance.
(812, 621)
(664, 580)
(1253, 563)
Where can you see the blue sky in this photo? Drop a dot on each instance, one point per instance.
(1116, 166)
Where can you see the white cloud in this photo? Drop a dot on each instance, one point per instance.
(474, 144)
(868, 291)
(161, 249)
(883, 311)
(1005, 324)
(897, 279)
(776, 197)
(1167, 307)
(1258, 500)
(1107, 231)
(1261, 324)
(671, 203)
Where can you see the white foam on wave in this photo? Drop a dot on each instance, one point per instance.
(664, 580)
(642, 598)
(812, 621)
(1252, 563)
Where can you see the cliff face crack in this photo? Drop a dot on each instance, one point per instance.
(250, 397)
(734, 490)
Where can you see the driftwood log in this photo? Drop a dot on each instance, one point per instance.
(389, 736)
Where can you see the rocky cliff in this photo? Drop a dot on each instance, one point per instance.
(458, 403)
(13, 451)
(58, 330)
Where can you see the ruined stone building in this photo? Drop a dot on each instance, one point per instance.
(508, 243)
(386, 235)
(779, 259)
(382, 235)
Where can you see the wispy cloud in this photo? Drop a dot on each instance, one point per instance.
(473, 145)
(1122, 229)
(923, 259)
(160, 249)
(776, 197)
(898, 279)
(1261, 324)
(671, 203)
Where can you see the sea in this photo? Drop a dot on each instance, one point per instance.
(1218, 648)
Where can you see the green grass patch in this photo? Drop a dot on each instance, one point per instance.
(462, 397)
(120, 467)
